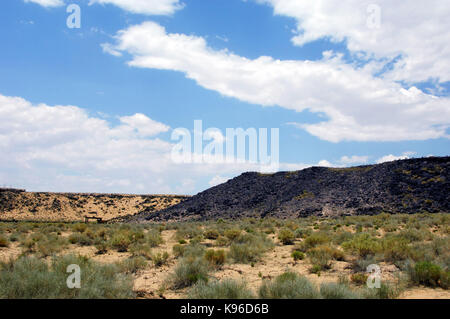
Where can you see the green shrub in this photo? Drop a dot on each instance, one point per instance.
(363, 244)
(194, 250)
(222, 241)
(249, 248)
(359, 278)
(321, 257)
(395, 249)
(79, 227)
(4, 242)
(216, 258)
(189, 271)
(29, 277)
(425, 273)
(386, 291)
(120, 242)
(288, 286)
(297, 255)
(286, 236)
(361, 264)
(178, 250)
(211, 234)
(226, 289)
(80, 239)
(232, 234)
(315, 239)
(337, 291)
(159, 259)
(132, 265)
(153, 238)
(48, 248)
(102, 248)
(243, 253)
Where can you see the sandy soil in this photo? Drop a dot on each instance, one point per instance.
(74, 207)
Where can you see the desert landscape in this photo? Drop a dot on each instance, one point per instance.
(154, 246)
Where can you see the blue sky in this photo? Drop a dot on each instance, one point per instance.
(337, 98)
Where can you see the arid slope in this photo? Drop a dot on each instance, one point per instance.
(20, 205)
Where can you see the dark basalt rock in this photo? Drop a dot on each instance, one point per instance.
(405, 186)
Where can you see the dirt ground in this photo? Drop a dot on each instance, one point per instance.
(69, 207)
(152, 282)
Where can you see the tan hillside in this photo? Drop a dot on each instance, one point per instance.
(44, 206)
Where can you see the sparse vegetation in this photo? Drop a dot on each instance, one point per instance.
(288, 286)
(413, 249)
(29, 277)
(226, 289)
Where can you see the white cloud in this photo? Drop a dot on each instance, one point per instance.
(325, 163)
(354, 159)
(148, 7)
(390, 157)
(47, 3)
(416, 30)
(357, 105)
(64, 148)
(216, 180)
(143, 125)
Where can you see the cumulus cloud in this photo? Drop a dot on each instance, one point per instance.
(147, 7)
(47, 3)
(354, 159)
(64, 148)
(390, 157)
(216, 180)
(357, 106)
(416, 32)
(143, 125)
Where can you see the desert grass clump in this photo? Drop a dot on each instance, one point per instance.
(79, 227)
(297, 255)
(222, 241)
(363, 245)
(53, 244)
(320, 258)
(226, 289)
(395, 249)
(232, 233)
(386, 291)
(315, 239)
(189, 271)
(288, 286)
(429, 274)
(216, 258)
(337, 291)
(188, 231)
(4, 241)
(248, 248)
(29, 277)
(286, 236)
(81, 239)
(132, 265)
(159, 259)
(359, 278)
(153, 238)
(211, 234)
(140, 250)
(120, 241)
(360, 264)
